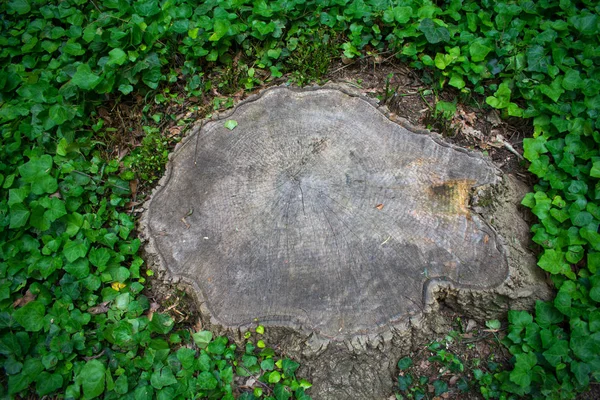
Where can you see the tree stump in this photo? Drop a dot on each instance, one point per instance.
(335, 227)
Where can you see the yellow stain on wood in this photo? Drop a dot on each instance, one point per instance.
(451, 197)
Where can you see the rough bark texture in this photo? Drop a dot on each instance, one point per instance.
(340, 230)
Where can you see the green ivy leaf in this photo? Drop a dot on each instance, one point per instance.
(79, 268)
(73, 49)
(585, 23)
(206, 381)
(48, 383)
(434, 34)
(274, 377)
(92, 378)
(18, 383)
(522, 373)
(552, 261)
(84, 78)
(558, 350)
(58, 114)
(546, 314)
(456, 81)
(440, 387)
(217, 346)
(36, 168)
(594, 320)
(146, 8)
(445, 108)
(204, 362)
(162, 377)
(301, 395)
(31, 316)
(231, 124)
(19, 215)
(595, 171)
(402, 14)
(121, 384)
(593, 262)
(249, 360)
(74, 222)
(581, 371)
(161, 323)
(520, 319)
(116, 57)
(500, 99)
(38, 220)
(55, 208)
(479, 50)
(537, 60)
(75, 249)
(186, 356)
(221, 27)
(125, 89)
(151, 77)
(99, 257)
(572, 80)
(202, 338)
(281, 392)
(267, 365)
(595, 290)
(405, 363)
(21, 7)
(554, 90)
(16, 196)
(586, 348)
(289, 367)
(226, 375)
(493, 324)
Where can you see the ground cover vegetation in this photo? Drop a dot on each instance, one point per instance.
(75, 319)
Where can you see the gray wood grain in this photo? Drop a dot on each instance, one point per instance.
(319, 213)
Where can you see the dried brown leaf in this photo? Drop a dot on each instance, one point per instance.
(154, 307)
(471, 324)
(99, 309)
(133, 186)
(121, 153)
(493, 118)
(175, 130)
(24, 300)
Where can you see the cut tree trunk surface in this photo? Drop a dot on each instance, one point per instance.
(349, 235)
(318, 213)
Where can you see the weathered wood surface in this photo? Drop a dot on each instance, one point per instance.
(320, 214)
